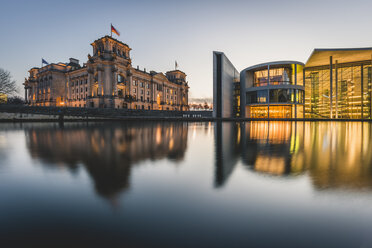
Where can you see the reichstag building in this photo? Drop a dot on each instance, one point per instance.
(106, 80)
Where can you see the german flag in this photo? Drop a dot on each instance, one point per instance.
(113, 30)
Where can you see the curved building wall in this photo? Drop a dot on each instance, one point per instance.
(272, 90)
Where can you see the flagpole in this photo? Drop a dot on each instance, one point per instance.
(111, 29)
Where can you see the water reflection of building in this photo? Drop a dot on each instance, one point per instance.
(269, 146)
(333, 155)
(108, 152)
(227, 149)
(338, 154)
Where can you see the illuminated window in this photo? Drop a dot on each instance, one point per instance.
(258, 112)
(284, 111)
(260, 78)
(260, 96)
(282, 95)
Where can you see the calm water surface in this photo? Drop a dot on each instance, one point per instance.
(257, 184)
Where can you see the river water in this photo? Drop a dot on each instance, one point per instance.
(174, 184)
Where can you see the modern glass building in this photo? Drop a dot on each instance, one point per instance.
(338, 84)
(273, 90)
(333, 84)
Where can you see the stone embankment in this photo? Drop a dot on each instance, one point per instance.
(27, 113)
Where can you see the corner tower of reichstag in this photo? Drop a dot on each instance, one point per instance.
(106, 80)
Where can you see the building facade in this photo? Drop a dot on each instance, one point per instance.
(3, 98)
(338, 84)
(333, 84)
(106, 80)
(224, 74)
(273, 90)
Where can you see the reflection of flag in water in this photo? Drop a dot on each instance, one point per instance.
(43, 61)
(113, 30)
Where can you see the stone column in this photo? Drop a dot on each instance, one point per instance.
(68, 92)
(164, 97)
(115, 88)
(130, 80)
(26, 94)
(151, 96)
(115, 84)
(100, 80)
(107, 84)
(90, 82)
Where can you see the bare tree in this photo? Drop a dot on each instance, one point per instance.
(7, 84)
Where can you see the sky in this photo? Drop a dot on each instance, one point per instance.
(163, 31)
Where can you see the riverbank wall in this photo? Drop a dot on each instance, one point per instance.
(28, 113)
(20, 113)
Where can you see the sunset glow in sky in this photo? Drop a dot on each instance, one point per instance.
(160, 32)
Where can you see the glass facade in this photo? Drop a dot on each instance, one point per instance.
(300, 74)
(260, 78)
(275, 91)
(275, 96)
(258, 112)
(283, 75)
(259, 96)
(334, 84)
(236, 102)
(275, 111)
(275, 103)
(348, 96)
(282, 95)
(281, 111)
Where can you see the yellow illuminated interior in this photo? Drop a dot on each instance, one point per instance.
(276, 111)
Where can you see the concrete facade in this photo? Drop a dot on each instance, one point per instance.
(224, 77)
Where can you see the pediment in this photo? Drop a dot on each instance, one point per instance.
(160, 76)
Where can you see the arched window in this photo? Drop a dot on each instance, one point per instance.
(120, 79)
